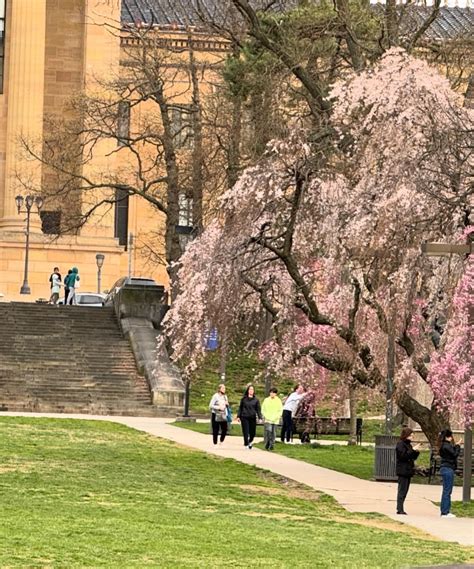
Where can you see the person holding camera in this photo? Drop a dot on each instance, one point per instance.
(449, 452)
(406, 456)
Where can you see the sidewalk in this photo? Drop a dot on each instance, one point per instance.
(354, 494)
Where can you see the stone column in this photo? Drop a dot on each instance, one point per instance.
(101, 65)
(25, 37)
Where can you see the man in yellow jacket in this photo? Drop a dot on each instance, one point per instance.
(272, 410)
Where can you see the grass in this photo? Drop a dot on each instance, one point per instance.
(243, 368)
(354, 460)
(370, 428)
(96, 494)
(462, 510)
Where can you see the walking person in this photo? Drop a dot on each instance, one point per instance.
(66, 286)
(218, 406)
(55, 280)
(272, 409)
(406, 456)
(249, 411)
(73, 284)
(289, 408)
(449, 452)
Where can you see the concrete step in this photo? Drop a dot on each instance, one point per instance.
(67, 358)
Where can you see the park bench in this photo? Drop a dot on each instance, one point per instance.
(307, 426)
(435, 463)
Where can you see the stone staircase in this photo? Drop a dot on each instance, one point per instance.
(68, 359)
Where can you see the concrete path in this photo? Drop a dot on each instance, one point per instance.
(354, 494)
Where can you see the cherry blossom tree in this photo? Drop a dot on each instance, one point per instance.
(451, 373)
(325, 233)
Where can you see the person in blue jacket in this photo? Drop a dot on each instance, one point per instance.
(449, 452)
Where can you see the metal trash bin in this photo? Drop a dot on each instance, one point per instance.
(385, 467)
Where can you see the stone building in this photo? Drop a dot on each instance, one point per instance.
(50, 51)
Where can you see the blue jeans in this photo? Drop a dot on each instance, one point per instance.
(447, 474)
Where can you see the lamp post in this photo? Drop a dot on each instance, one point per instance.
(445, 250)
(99, 259)
(28, 202)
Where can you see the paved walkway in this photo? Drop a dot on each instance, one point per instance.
(354, 494)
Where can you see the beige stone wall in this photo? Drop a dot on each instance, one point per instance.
(79, 50)
(64, 75)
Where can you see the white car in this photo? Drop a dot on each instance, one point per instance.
(92, 299)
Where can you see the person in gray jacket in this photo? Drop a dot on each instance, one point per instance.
(218, 407)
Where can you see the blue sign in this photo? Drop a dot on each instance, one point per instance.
(212, 342)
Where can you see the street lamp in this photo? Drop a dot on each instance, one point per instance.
(28, 202)
(99, 259)
(445, 250)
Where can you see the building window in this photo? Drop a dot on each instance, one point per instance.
(2, 41)
(185, 211)
(181, 126)
(50, 222)
(123, 123)
(121, 216)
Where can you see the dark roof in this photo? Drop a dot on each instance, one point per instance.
(184, 12)
(451, 22)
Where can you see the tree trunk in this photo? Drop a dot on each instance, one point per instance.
(342, 8)
(223, 360)
(391, 366)
(430, 420)
(172, 245)
(391, 23)
(198, 152)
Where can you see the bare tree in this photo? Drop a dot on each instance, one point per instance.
(145, 125)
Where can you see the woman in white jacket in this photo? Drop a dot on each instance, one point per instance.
(218, 407)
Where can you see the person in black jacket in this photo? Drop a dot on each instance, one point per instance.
(249, 411)
(449, 452)
(406, 456)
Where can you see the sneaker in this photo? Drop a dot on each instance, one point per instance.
(402, 513)
(250, 446)
(448, 516)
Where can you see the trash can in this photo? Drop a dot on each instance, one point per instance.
(385, 467)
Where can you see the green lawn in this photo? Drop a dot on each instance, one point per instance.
(370, 429)
(462, 510)
(355, 460)
(243, 368)
(95, 494)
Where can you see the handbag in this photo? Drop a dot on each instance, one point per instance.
(229, 414)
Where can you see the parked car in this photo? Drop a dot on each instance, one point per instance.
(125, 282)
(92, 299)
